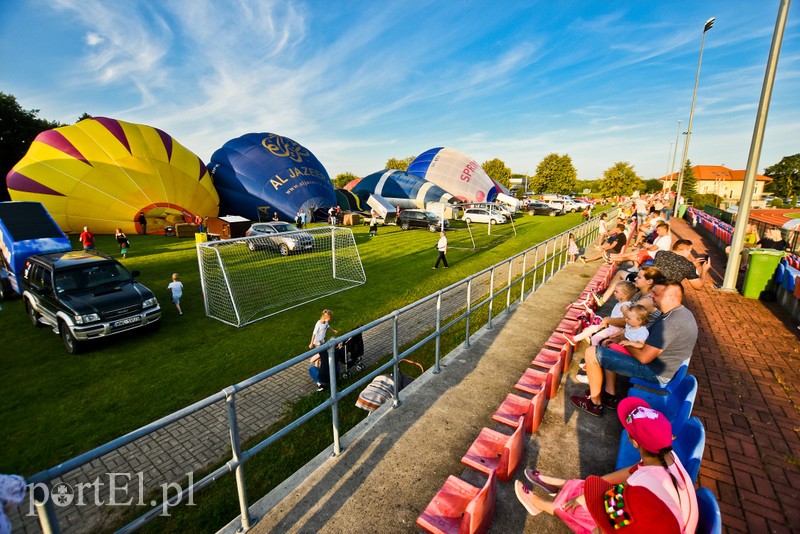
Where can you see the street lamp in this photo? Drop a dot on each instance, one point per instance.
(709, 24)
(675, 154)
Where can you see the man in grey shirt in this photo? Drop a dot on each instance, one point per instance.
(670, 344)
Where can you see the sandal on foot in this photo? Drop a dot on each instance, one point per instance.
(533, 476)
(524, 494)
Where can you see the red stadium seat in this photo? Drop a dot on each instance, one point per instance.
(460, 508)
(567, 326)
(495, 452)
(514, 407)
(556, 360)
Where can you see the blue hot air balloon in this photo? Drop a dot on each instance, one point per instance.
(266, 173)
(400, 189)
(456, 173)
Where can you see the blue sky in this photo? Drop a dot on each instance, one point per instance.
(358, 82)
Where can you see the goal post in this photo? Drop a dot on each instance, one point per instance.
(251, 278)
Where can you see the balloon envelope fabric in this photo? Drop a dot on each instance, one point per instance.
(456, 173)
(259, 174)
(103, 172)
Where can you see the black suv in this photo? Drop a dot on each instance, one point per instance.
(420, 219)
(85, 295)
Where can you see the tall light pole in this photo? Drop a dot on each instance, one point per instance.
(669, 155)
(675, 154)
(709, 24)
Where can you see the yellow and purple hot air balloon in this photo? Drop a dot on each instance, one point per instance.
(103, 172)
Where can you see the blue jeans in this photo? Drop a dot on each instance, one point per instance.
(625, 365)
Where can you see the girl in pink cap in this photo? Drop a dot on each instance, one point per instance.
(654, 496)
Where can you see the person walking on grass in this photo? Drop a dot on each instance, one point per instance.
(176, 291)
(441, 246)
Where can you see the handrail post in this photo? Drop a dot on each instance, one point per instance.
(236, 452)
(436, 367)
(45, 510)
(524, 274)
(333, 378)
(535, 267)
(491, 299)
(469, 311)
(396, 367)
(508, 287)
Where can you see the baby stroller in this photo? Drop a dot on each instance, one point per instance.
(349, 355)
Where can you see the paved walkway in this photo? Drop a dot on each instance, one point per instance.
(746, 362)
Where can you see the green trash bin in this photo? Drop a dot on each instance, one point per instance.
(682, 210)
(763, 263)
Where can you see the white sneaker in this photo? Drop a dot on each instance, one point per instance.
(582, 378)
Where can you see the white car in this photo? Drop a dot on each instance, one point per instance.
(483, 215)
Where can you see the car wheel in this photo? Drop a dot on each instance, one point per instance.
(432, 227)
(468, 220)
(284, 249)
(33, 315)
(404, 225)
(492, 221)
(72, 345)
(552, 214)
(5, 290)
(251, 245)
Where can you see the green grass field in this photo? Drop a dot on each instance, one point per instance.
(56, 406)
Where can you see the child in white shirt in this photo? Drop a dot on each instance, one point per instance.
(176, 290)
(624, 292)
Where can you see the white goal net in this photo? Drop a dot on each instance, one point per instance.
(250, 278)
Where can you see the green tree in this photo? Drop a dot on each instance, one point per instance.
(652, 185)
(399, 164)
(497, 171)
(689, 186)
(555, 174)
(343, 179)
(84, 116)
(620, 180)
(785, 177)
(18, 129)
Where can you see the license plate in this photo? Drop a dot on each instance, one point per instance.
(123, 322)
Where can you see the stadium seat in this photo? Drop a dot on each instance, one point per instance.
(551, 359)
(677, 406)
(688, 445)
(664, 389)
(710, 520)
(460, 508)
(514, 407)
(557, 342)
(495, 452)
(567, 326)
(533, 381)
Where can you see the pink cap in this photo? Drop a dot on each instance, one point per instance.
(650, 428)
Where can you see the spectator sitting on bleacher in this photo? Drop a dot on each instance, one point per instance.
(662, 241)
(676, 264)
(672, 338)
(655, 495)
(624, 292)
(614, 244)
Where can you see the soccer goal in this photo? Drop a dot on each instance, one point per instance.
(250, 278)
(482, 225)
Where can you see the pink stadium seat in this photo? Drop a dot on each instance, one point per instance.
(460, 508)
(555, 360)
(515, 407)
(557, 342)
(569, 327)
(495, 452)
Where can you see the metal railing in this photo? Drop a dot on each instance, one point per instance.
(409, 328)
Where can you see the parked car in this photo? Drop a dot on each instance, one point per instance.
(281, 237)
(540, 208)
(483, 215)
(494, 206)
(84, 295)
(420, 219)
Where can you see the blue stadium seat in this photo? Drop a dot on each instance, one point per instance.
(669, 387)
(710, 520)
(677, 406)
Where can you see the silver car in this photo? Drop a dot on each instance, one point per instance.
(280, 237)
